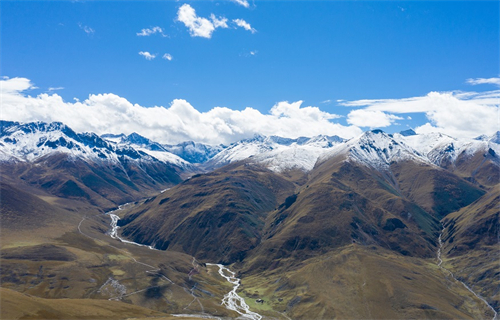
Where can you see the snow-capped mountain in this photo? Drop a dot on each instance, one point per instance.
(146, 146)
(194, 152)
(277, 153)
(31, 141)
(443, 150)
(378, 149)
(183, 154)
(82, 166)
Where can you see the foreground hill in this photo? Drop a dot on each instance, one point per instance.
(217, 216)
(471, 245)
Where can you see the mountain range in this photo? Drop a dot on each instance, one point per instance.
(320, 227)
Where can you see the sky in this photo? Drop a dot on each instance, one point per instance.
(220, 71)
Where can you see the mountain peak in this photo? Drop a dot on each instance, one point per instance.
(407, 133)
(495, 138)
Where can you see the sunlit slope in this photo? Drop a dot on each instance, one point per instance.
(362, 282)
(472, 245)
(217, 216)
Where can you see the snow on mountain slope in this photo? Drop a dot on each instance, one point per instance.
(440, 149)
(375, 149)
(28, 142)
(146, 146)
(277, 153)
(194, 152)
(31, 141)
(183, 154)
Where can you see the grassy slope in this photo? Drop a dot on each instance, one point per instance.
(43, 254)
(358, 282)
(105, 185)
(218, 216)
(16, 305)
(471, 245)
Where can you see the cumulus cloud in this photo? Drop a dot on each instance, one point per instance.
(147, 55)
(15, 85)
(477, 81)
(458, 114)
(198, 27)
(242, 3)
(167, 56)
(371, 118)
(245, 25)
(109, 113)
(203, 27)
(220, 22)
(147, 32)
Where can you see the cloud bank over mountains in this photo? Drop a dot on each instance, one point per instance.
(459, 114)
(109, 113)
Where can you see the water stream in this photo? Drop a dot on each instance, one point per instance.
(440, 262)
(231, 300)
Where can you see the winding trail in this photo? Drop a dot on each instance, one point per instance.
(440, 262)
(232, 300)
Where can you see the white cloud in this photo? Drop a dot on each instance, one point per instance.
(198, 27)
(242, 3)
(203, 27)
(147, 32)
(88, 30)
(147, 55)
(484, 81)
(253, 53)
(458, 114)
(15, 85)
(109, 113)
(220, 22)
(371, 118)
(167, 56)
(56, 88)
(245, 25)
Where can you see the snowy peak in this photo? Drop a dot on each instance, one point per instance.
(443, 150)
(31, 141)
(495, 138)
(278, 153)
(378, 149)
(147, 147)
(409, 132)
(184, 154)
(194, 152)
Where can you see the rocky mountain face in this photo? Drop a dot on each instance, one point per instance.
(355, 235)
(81, 165)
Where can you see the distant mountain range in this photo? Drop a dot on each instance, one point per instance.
(31, 141)
(382, 225)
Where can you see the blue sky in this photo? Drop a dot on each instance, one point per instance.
(318, 52)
